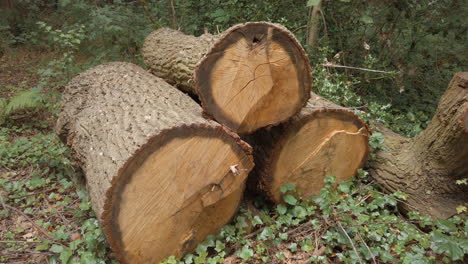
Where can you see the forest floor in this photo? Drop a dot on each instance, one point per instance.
(41, 206)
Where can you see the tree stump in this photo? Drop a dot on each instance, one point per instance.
(323, 139)
(252, 76)
(160, 176)
(427, 166)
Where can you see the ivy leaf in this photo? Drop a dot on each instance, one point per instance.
(257, 221)
(287, 187)
(446, 226)
(246, 253)
(293, 247)
(43, 246)
(219, 246)
(367, 19)
(445, 244)
(289, 199)
(188, 259)
(201, 248)
(345, 186)
(281, 209)
(463, 181)
(400, 195)
(65, 255)
(56, 248)
(313, 2)
(87, 258)
(266, 234)
(329, 179)
(461, 209)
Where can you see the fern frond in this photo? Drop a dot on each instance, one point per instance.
(25, 100)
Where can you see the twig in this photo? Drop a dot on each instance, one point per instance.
(42, 230)
(350, 240)
(365, 244)
(308, 223)
(337, 108)
(301, 27)
(387, 223)
(8, 169)
(31, 194)
(331, 65)
(18, 241)
(254, 233)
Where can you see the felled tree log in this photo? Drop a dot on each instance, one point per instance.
(253, 75)
(323, 139)
(160, 176)
(427, 166)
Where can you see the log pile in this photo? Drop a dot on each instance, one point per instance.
(164, 172)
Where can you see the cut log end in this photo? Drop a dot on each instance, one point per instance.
(256, 75)
(324, 142)
(173, 192)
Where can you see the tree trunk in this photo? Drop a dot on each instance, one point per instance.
(314, 25)
(6, 4)
(253, 75)
(427, 166)
(160, 176)
(322, 139)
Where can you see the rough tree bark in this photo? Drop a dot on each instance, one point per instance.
(322, 139)
(160, 176)
(427, 166)
(253, 75)
(313, 24)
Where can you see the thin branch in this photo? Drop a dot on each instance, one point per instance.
(350, 240)
(387, 223)
(365, 244)
(18, 241)
(31, 194)
(301, 27)
(331, 65)
(42, 230)
(337, 108)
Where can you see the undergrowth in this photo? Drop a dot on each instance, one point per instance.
(51, 217)
(44, 203)
(352, 223)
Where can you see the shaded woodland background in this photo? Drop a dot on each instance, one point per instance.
(400, 56)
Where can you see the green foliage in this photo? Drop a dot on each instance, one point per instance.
(40, 150)
(58, 71)
(48, 195)
(350, 222)
(218, 15)
(422, 41)
(29, 99)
